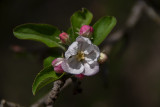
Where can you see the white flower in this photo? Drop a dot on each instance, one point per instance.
(81, 57)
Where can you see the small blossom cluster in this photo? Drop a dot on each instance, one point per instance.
(82, 57)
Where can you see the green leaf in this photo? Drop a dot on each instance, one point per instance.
(80, 18)
(44, 77)
(102, 28)
(40, 32)
(71, 35)
(69, 31)
(48, 61)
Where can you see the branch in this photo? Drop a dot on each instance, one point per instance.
(54, 93)
(135, 15)
(5, 103)
(50, 98)
(152, 13)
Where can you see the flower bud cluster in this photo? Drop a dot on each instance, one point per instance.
(75, 58)
(85, 31)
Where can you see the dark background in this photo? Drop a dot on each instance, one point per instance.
(132, 74)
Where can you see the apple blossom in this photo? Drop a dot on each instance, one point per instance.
(81, 57)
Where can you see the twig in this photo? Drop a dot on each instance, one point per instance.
(5, 103)
(54, 93)
(50, 98)
(152, 13)
(136, 12)
(130, 23)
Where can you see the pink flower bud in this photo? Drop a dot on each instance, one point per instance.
(64, 37)
(56, 63)
(86, 31)
(103, 57)
(80, 76)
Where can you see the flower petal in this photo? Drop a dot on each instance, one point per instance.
(72, 66)
(97, 51)
(93, 55)
(72, 50)
(84, 44)
(88, 49)
(81, 39)
(91, 69)
(58, 69)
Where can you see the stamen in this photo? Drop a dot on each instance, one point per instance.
(80, 56)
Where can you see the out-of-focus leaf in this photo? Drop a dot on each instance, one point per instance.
(71, 34)
(40, 32)
(102, 28)
(80, 18)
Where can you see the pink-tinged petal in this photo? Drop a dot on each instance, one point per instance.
(72, 66)
(91, 69)
(54, 62)
(64, 37)
(72, 50)
(57, 61)
(80, 76)
(58, 69)
(86, 30)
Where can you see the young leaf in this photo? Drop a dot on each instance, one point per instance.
(80, 18)
(39, 32)
(102, 28)
(44, 77)
(48, 61)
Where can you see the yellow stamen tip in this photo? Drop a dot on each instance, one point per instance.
(80, 56)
